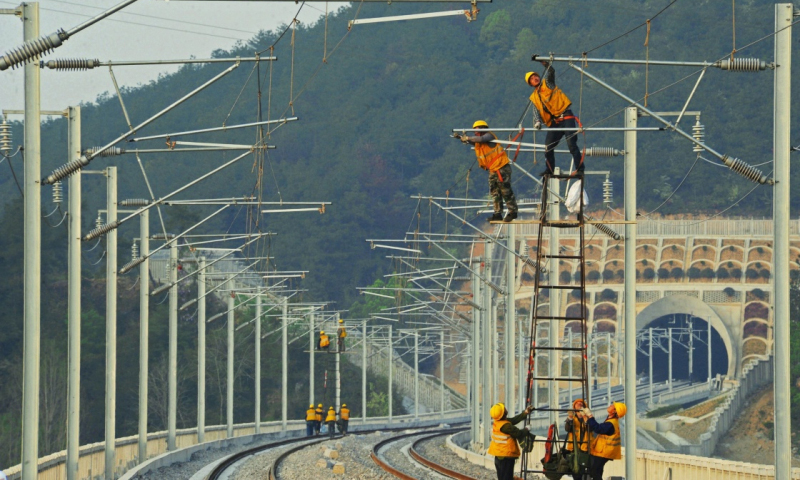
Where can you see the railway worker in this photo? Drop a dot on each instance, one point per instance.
(330, 421)
(311, 420)
(552, 108)
(344, 418)
(576, 427)
(606, 443)
(492, 157)
(341, 333)
(504, 446)
(318, 411)
(324, 342)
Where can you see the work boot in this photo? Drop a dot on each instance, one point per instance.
(545, 172)
(496, 217)
(510, 216)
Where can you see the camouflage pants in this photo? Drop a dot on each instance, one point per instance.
(501, 190)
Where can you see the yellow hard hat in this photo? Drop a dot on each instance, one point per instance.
(344, 404)
(311, 406)
(319, 406)
(480, 123)
(621, 409)
(341, 321)
(497, 411)
(529, 75)
(331, 408)
(322, 332)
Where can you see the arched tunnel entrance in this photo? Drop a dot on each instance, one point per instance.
(689, 349)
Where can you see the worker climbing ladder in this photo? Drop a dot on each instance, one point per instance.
(548, 284)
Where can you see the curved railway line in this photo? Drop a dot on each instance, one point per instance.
(226, 466)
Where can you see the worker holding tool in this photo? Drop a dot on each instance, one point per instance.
(606, 441)
(492, 157)
(552, 108)
(504, 446)
(341, 333)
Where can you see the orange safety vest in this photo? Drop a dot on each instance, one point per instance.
(491, 158)
(502, 445)
(318, 411)
(342, 332)
(331, 416)
(583, 441)
(344, 413)
(551, 103)
(323, 341)
(608, 446)
(311, 415)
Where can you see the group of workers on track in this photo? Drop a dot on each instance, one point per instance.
(551, 109)
(314, 420)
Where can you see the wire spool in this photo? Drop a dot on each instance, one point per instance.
(31, 50)
(58, 193)
(699, 134)
(749, 172)
(109, 152)
(71, 64)
(5, 137)
(608, 191)
(602, 152)
(742, 65)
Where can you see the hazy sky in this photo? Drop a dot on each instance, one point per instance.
(148, 29)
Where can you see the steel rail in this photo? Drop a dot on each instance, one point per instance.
(394, 471)
(433, 465)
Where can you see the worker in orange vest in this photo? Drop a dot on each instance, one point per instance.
(330, 421)
(344, 418)
(576, 427)
(324, 342)
(504, 446)
(606, 442)
(341, 334)
(311, 420)
(318, 411)
(492, 157)
(552, 108)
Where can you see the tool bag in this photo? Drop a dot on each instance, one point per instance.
(554, 464)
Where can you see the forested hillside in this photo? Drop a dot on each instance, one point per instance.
(375, 118)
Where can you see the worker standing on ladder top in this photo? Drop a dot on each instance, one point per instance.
(311, 420)
(552, 108)
(318, 411)
(344, 418)
(324, 342)
(341, 333)
(330, 421)
(492, 157)
(504, 446)
(606, 442)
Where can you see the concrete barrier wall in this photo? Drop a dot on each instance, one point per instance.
(755, 375)
(91, 464)
(649, 464)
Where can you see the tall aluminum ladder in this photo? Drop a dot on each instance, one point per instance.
(549, 284)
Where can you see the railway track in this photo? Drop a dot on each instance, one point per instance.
(225, 467)
(419, 458)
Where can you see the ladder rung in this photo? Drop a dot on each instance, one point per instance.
(545, 409)
(562, 287)
(561, 379)
(541, 317)
(561, 223)
(565, 176)
(573, 257)
(562, 349)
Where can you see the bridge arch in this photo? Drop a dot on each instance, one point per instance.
(685, 305)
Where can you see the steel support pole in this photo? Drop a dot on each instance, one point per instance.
(571, 354)
(391, 371)
(172, 367)
(555, 300)
(709, 352)
(608, 367)
(590, 373)
(631, 118)
(285, 362)
(311, 349)
(257, 412)
(650, 359)
(74, 294)
(691, 352)
(781, 202)
(111, 324)
(201, 350)
(144, 328)
(229, 361)
(441, 371)
(486, 350)
(32, 252)
(416, 375)
(511, 317)
(364, 373)
(669, 380)
(338, 384)
(475, 361)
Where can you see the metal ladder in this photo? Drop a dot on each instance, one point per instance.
(554, 253)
